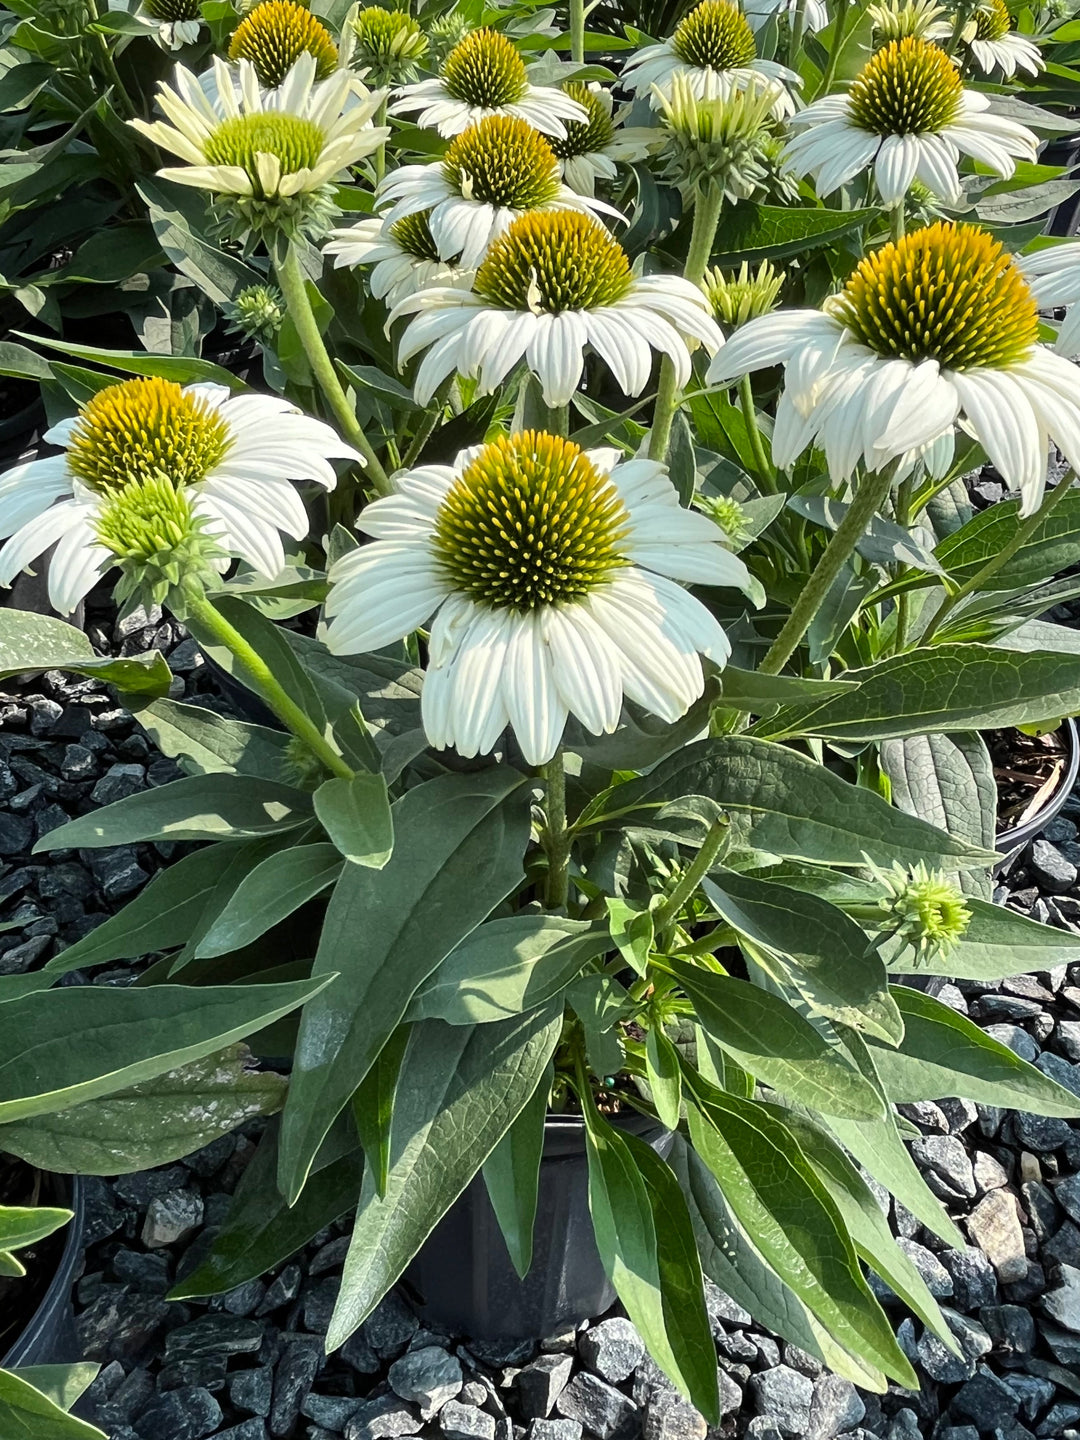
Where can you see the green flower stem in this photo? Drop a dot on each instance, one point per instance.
(577, 31)
(1021, 536)
(294, 288)
(556, 837)
(839, 29)
(424, 431)
(707, 209)
(380, 153)
(798, 27)
(766, 476)
(695, 872)
(903, 519)
(897, 221)
(871, 494)
(259, 674)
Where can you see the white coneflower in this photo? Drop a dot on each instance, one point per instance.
(225, 461)
(485, 75)
(713, 49)
(275, 35)
(1054, 277)
(995, 45)
(266, 151)
(760, 12)
(593, 149)
(491, 173)
(176, 23)
(899, 19)
(908, 115)
(934, 330)
(549, 288)
(403, 253)
(553, 575)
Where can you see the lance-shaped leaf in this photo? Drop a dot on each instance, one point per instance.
(512, 1176)
(506, 966)
(203, 807)
(939, 688)
(356, 815)
(771, 1040)
(1050, 548)
(996, 944)
(27, 1414)
(152, 1123)
(646, 1242)
(943, 1053)
(124, 1037)
(373, 1107)
(268, 894)
(63, 1384)
(22, 1225)
(774, 1191)
(459, 1092)
(261, 1231)
(794, 807)
(825, 954)
(732, 1261)
(31, 643)
(212, 744)
(458, 852)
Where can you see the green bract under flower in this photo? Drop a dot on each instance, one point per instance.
(503, 162)
(715, 36)
(530, 522)
(910, 87)
(295, 141)
(276, 34)
(923, 907)
(717, 141)
(947, 293)
(258, 312)
(560, 260)
(139, 430)
(388, 42)
(584, 137)
(158, 542)
(485, 69)
(413, 234)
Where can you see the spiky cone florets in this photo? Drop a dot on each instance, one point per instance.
(717, 142)
(157, 542)
(388, 44)
(744, 296)
(257, 313)
(901, 19)
(276, 34)
(922, 907)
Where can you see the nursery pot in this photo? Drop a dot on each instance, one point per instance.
(1010, 842)
(463, 1280)
(49, 1336)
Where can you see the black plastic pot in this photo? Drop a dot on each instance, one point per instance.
(463, 1279)
(1010, 842)
(49, 1338)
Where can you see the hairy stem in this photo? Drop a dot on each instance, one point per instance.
(577, 31)
(764, 472)
(556, 839)
(695, 872)
(869, 498)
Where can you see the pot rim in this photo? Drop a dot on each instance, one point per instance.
(63, 1279)
(1010, 842)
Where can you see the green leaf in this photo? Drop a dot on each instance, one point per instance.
(125, 1037)
(184, 369)
(762, 694)
(600, 1002)
(63, 1384)
(771, 232)
(212, 744)
(996, 944)
(458, 852)
(865, 1222)
(388, 690)
(942, 687)
(770, 1039)
(31, 643)
(664, 1074)
(22, 1225)
(944, 1053)
(883, 543)
(203, 807)
(948, 780)
(356, 815)
(631, 931)
(780, 1201)
(238, 861)
(512, 1175)
(829, 959)
(268, 894)
(178, 218)
(506, 966)
(635, 1207)
(795, 807)
(1049, 549)
(27, 1414)
(458, 1094)
(373, 1107)
(153, 1123)
(731, 1260)
(161, 916)
(261, 1231)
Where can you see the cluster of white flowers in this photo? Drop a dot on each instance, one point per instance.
(552, 576)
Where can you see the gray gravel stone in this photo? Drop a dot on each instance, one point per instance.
(172, 1217)
(282, 1290)
(383, 1419)
(332, 1412)
(293, 1378)
(672, 1418)
(251, 1390)
(466, 1422)
(390, 1326)
(555, 1430)
(214, 1335)
(602, 1409)
(1041, 1133)
(612, 1349)
(540, 1384)
(1067, 1194)
(994, 1226)
(1018, 1041)
(428, 1377)
(1050, 868)
(986, 1400)
(784, 1396)
(1063, 1304)
(835, 1407)
(938, 1280)
(186, 1414)
(1012, 1330)
(946, 1156)
(253, 1429)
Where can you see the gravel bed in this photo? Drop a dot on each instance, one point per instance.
(250, 1365)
